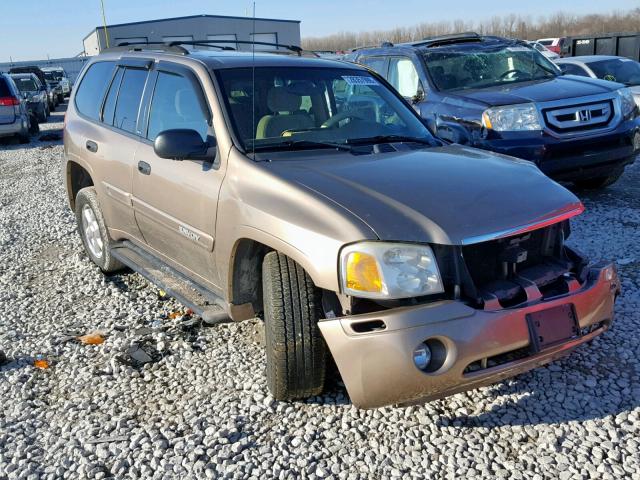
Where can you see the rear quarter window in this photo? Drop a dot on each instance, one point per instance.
(92, 89)
(5, 91)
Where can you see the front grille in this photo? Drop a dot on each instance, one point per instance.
(577, 118)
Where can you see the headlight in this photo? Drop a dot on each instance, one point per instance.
(383, 270)
(627, 102)
(512, 118)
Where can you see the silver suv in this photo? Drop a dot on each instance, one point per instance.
(310, 193)
(14, 114)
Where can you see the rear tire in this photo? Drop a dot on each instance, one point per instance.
(295, 350)
(600, 182)
(23, 137)
(93, 231)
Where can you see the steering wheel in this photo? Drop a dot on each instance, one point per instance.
(336, 119)
(508, 72)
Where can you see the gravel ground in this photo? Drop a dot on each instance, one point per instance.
(203, 410)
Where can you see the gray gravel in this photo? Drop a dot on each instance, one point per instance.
(203, 410)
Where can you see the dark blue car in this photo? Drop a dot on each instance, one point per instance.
(502, 95)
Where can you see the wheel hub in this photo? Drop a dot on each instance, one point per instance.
(92, 231)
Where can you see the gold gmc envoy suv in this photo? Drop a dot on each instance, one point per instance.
(310, 193)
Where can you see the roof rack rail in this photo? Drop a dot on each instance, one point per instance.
(153, 46)
(448, 39)
(177, 46)
(216, 43)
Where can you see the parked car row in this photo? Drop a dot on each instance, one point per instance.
(28, 95)
(503, 95)
(309, 192)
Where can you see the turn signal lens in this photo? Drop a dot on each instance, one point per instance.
(362, 273)
(486, 121)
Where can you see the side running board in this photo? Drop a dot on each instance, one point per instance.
(202, 301)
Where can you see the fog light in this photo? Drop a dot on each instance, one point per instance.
(422, 356)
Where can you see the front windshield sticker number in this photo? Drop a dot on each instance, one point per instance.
(360, 80)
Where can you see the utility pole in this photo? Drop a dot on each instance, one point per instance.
(104, 22)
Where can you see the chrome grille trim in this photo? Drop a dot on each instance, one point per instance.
(580, 116)
(580, 103)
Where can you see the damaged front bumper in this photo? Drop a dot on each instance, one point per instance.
(374, 352)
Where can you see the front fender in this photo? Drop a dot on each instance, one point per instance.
(256, 204)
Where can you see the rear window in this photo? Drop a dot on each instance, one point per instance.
(92, 89)
(26, 84)
(4, 88)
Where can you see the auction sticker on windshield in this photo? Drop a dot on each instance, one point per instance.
(360, 80)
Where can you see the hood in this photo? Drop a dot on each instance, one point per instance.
(635, 89)
(559, 88)
(449, 195)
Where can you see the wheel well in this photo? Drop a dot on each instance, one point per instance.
(77, 178)
(246, 277)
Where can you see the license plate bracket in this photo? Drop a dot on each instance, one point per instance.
(552, 326)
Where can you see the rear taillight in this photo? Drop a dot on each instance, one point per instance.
(9, 101)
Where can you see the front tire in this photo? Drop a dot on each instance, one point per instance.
(92, 230)
(295, 350)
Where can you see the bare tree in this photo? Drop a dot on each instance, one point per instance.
(518, 26)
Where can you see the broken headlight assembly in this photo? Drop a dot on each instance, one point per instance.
(389, 271)
(512, 118)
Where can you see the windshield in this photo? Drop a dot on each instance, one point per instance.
(466, 69)
(26, 84)
(53, 76)
(620, 70)
(294, 108)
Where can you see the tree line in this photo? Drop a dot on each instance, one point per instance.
(513, 26)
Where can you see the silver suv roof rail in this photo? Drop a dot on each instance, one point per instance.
(147, 47)
(216, 43)
(177, 46)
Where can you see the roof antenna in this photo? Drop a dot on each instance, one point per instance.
(253, 84)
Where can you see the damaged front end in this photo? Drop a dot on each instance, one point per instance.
(509, 305)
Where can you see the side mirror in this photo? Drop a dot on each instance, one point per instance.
(452, 133)
(419, 96)
(182, 144)
(43, 88)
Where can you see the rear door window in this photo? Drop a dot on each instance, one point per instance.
(176, 104)
(92, 89)
(129, 97)
(112, 96)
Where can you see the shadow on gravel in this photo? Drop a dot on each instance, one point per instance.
(566, 398)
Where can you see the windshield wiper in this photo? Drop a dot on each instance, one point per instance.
(388, 139)
(300, 145)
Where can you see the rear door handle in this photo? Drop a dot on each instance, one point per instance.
(92, 146)
(144, 168)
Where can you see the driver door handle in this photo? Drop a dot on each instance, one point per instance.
(144, 168)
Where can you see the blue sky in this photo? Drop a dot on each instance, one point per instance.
(33, 29)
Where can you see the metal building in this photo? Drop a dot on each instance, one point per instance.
(195, 28)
